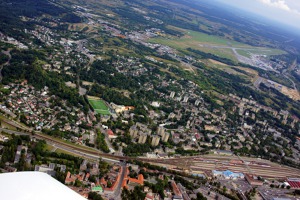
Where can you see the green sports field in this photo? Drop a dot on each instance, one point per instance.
(99, 106)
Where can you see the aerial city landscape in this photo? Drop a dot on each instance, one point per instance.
(150, 100)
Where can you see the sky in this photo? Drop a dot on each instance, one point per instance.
(283, 11)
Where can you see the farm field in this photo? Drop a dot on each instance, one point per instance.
(98, 105)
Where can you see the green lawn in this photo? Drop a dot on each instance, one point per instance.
(99, 106)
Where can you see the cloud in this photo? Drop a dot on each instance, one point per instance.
(280, 4)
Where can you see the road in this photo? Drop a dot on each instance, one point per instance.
(16, 124)
(230, 47)
(57, 145)
(293, 83)
(12, 132)
(117, 193)
(111, 148)
(204, 190)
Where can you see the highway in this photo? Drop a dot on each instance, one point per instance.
(91, 155)
(117, 192)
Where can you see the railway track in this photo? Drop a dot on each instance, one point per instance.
(265, 168)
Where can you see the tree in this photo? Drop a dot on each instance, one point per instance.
(200, 196)
(224, 189)
(94, 196)
(136, 194)
(109, 184)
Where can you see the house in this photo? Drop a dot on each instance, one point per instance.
(70, 179)
(176, 191)
(94, 170)
(103, 182)
(18, 153)
(46, 169)
(152, 196)
(83, 165)
(111, 134)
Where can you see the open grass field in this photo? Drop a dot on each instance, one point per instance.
(225, 68)
(260, 51)
(212, 44)
(99, 106)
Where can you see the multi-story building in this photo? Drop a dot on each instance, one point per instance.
(160, 130)
(172, 95)
(133, 131)
(155, 140)
(142, 138)
(165, 137)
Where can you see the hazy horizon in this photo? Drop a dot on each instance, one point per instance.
(282, 11)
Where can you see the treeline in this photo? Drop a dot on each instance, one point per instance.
(136, 149)
(10, 148)
(110, 95)
(100, 142)
(39, 154)
(3, 58)
(42, 155)
(135, 194)
(94, 196)
(104, 73)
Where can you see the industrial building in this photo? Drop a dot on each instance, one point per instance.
(227, 174)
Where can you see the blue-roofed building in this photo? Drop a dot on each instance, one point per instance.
(227, 174)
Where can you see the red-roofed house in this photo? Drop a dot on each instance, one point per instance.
(111, 134)
(87, 176)
(103, 182)
(138, 181)
(70, 179)
(176, 190)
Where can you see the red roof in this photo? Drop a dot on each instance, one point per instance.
(70, 178)
(110, 132)
(294, 184)
(175, 189)
(139, 180)
(103, 182)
